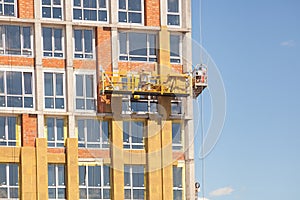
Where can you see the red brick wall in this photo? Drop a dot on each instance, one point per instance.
(26, 9)
(177, 68)
(29, 129)
(93, 153)
(16, 61)
(136, 66)
(54, 63)
(84, 64)
(152, 12)
(103, 45)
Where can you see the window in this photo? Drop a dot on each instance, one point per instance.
(15, 40)
(52, 9)
(91, 10)
(145, 104)
(9, 181)
(133, 135)
(55, 132)
(94, 182)
(16, 89)
(177, 183)
(131, 11)
(56, 181)
(93, 133)
(176, 136)
(8, 131)
(176, 107)
(175, 48)
(8, 8)
(84, 43)
(173, 14)
(134, 185)
(53, 42)
(137, 47)
(85, 92)
(54, 90)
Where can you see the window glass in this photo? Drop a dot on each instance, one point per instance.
(59, 84)
(52, 9)
(78, 40)
(177, 176)
(138, 44)
(11, 125)
(88, 41)
(174, 45)
(94, 176)
(94, 10)
(13, 40)
(130, 11)
(26, 37)
(58, 39)
(48, 77)
(173, 5)
(142, 46)
(89, 86)
(47, 39)
(79, 85)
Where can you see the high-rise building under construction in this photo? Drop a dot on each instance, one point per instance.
(96, 100)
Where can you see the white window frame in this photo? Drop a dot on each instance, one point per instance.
(97, 9)
(15, 3)
(53, 52)
(23, 95)
(103, 186)
(28, 51)
(180, 49)
(56, 185)
(179, 104)
(52, 6)
(142, 12)
(83, 143)
(54, 90)
(57, 143)
(180, 187)
(131, 187)
(128, 57)
(83, 47)
(128, 100)
(129, 144)
(8, 185)
(175, 13)
(175, 145)
(5, 141)
(94, 89)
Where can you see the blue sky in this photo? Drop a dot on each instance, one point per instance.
(256, 46)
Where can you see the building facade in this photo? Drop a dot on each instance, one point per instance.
(95, 100)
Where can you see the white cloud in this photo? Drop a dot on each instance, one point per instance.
(288, 43)
(221, 192)
(201, 198)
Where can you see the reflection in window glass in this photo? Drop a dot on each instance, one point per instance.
(134, 186)
(52, 9)
(56, 181)
(16, 89)
(83, 44)
(92, 10)
(94, 182)
(55, 132)
(85, 96)
(9, 178)
(173, 14)
(12, 36)
(137, 46)
(130, 11)
(93, 133)
(54, 90)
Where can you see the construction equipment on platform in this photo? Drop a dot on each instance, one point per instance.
(199, 79)
(147, 83)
